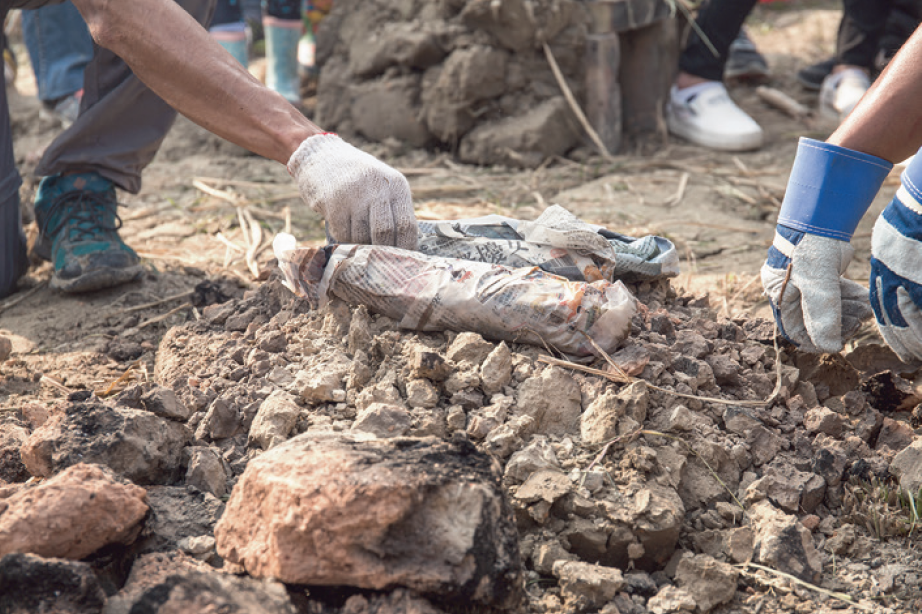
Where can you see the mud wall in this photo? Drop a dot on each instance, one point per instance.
(466, 75)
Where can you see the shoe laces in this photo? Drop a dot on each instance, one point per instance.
(84, 213)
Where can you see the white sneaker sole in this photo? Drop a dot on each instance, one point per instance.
(737, 142)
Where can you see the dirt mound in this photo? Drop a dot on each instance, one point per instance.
(468, 76)
(674, 492)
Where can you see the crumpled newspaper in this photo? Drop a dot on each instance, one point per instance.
(558, 242)
(429, 293)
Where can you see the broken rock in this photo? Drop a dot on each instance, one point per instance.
(895, 435)
(671, 600)
(72, 515)
(788, 488)
(333, 510)
(136, 444)
(30, 583)
(553, 399)
(274, 420)
(783, 543)
(496, 370)
(207, 471)
(586, 586)
(163, 583)
(164, 402)
(470, 348)
(709, 581)
(535, 456)
(383, 420)
(547, 485)
(599, 422)
(823, 420)
(177, 514)
(907, 467)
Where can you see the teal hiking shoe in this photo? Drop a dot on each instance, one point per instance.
(78, 225)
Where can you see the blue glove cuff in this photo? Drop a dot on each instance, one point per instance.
(911, 179)
(830, 189)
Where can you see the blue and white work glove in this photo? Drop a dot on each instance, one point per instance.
(896, 267)
(829, 191)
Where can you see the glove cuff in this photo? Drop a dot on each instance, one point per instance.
(311, 146)
(831, 188)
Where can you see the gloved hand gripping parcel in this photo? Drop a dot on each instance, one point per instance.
(363, 200)
(896, 267)
(829, 191)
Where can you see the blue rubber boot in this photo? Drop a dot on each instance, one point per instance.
(282, 37)
(78, 225)
(233, 37)
(13, 258)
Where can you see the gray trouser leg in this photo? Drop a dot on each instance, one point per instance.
(121, 124)
(12, 242)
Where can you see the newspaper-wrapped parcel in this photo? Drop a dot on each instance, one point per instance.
(429, 293)
(558, 242)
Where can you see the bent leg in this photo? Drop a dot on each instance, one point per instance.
(121, 124)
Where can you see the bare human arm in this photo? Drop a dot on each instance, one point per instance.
(362, 199)
(887, 123)
(177, 58)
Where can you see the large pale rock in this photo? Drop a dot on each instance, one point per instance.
(783, 543)
(334, 510)
(553, 399)
(274, 420)
(172, 583)
(32, 584)
(709, 581)
(600, 421)
(586, 586)
(72, 515)
(907, 467)
(134, 443)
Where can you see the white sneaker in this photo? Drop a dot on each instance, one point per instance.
(704, 114)
(841, 92)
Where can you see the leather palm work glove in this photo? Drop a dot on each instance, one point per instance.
(362, 199)
(829, 190)
(896, 267)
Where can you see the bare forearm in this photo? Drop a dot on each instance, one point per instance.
(887, 123)
(174, 56)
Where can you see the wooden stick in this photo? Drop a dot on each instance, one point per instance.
(255, 242)
(676, 198)
(168, 299)
(164, 316)
(783, 102)
(222, 194)
(568, 94)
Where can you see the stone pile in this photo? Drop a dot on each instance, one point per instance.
(387, 470)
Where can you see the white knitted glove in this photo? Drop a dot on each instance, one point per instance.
(362, 199)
